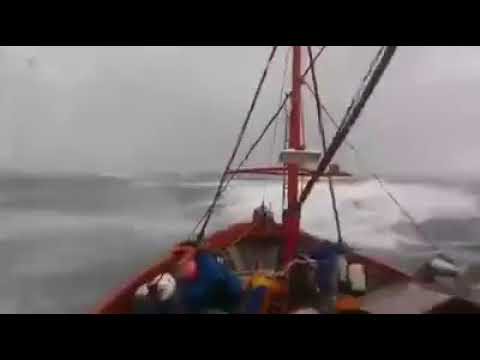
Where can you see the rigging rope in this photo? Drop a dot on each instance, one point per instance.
(237, 145)
(324, 146)
(285, 146)
(364, 80)
(277, 113)
(257, 141)
(264, 131)
(221, 187)
(312, 63)
(350, 119)
(270, 122)
(275, 128)
(378, 179)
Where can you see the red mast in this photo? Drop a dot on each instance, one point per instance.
(292, 218)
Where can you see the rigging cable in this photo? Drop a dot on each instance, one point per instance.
(271, 121)
(365, 78)
(277, 113)
(260, 137)
(312, 63)
(207, 214)
(378, 179)
(237, 145)
(221, 187)
(324, 146)
(350, 119)
(274, 140)
(285, 146)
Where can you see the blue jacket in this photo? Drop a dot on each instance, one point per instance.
(326, 257)
(215, 287)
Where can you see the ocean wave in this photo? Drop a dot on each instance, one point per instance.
(145, 184)
(42, 247)
(367, 215)
(206, 184)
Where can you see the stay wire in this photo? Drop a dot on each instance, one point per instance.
(349, 120)
(379, 180)
(223, 184)
(236, 147)
(324, 146)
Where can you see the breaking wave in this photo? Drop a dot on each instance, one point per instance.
(367, 215)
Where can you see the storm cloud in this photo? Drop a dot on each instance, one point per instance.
(136, 109)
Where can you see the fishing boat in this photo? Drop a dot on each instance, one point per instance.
(269, 246)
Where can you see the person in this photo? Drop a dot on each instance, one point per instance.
(326, 257)
(158, 296)
(255, 300)
(303, 293)
(263, 216)
(204, 281)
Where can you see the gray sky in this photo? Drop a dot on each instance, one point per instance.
(135, 109)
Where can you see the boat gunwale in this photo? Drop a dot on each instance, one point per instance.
(119, 300)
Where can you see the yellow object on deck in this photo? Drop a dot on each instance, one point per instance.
(276, 295)
(259, 280)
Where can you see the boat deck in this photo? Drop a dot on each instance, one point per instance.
(248, 247)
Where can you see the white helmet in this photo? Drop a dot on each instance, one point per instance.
(165, 286)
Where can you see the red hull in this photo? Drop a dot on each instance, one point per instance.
(380, 276)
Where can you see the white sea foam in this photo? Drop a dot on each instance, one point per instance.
(206, 184)
(40, 244)
(367, 214)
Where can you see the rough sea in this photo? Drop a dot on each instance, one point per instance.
(66, 241)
